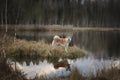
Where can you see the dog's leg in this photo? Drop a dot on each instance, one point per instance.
(68, 68)
(66, 49)
(53, 45)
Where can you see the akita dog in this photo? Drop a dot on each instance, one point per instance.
(64, 42)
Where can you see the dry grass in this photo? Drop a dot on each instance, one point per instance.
(112, 74)
(73, 76)
(6, 72)
(42, 49)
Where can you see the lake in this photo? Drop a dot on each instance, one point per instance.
(103, 47)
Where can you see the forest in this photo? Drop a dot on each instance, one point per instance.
(79, 13)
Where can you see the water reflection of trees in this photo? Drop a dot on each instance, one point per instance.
(104, 44)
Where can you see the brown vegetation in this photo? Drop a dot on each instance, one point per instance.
(112, 74)
(41, 49)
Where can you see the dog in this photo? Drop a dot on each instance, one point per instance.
(64, 42)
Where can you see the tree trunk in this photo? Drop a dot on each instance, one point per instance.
(6, 16)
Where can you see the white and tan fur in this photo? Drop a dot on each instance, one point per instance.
(64, 42)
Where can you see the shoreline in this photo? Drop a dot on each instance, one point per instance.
(55, 28)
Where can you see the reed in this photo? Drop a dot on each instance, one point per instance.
(7, 73)
(111, 74)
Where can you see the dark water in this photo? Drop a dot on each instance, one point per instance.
(102, 44)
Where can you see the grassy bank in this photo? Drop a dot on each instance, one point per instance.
(33, 27)
(21, 48)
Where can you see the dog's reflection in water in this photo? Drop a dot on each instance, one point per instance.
(63, 63)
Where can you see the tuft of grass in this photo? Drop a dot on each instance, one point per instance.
(7, 73)
(111, 74)
(21, 48)
(75, 75)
